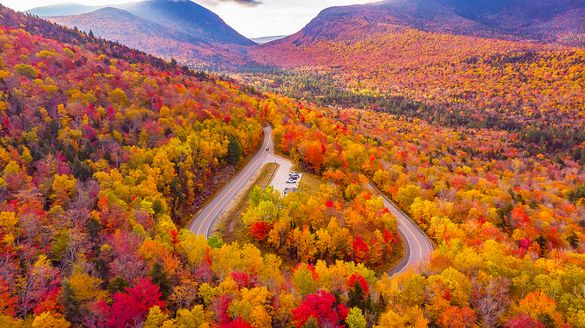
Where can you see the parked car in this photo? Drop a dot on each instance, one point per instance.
(291, 181)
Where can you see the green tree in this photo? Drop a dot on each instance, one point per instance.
(355, 318)
(234, 151)
(26, 70)
(215, 241)
(60, 245)
(117, 285)
(311, 323)
(70, 302)
(160, 278)
(356, 296)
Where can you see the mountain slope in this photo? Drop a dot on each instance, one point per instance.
(189, 18)
(122, 26)
(361, 20)
(128, 29)
(422, 52)
(181, 30)
(544, 20)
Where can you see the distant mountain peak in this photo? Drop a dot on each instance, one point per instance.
(189, 18)
(543, 20)
(179, 29)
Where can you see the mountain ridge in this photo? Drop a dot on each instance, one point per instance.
(189, 18)
(182, 30)
(514, 20)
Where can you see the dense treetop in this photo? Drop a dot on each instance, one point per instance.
(105, 152)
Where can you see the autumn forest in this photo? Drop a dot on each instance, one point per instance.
(475, 137)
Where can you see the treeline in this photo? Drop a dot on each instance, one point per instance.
(538, 134)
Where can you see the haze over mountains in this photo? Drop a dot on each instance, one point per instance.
(196, 36)
(266, 39)
(63, 9)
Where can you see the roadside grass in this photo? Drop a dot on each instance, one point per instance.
(310, 183)
(230, 227)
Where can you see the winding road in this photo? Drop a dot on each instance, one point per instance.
(418, 246)
(206, 219)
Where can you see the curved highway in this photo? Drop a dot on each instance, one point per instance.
(206, 218)
(418, 246)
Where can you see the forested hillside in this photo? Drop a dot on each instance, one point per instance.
(550, 21)
(101, 161)
(105, 152)
(531, 82)
(532, 89)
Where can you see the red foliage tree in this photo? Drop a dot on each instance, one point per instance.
(522, 321)
(50, 302)
(260, 230)
(314, 155)
(455, 317)
(519, 216)
(238, 323)
(7, 301)
(221, 309)
(360, 249)
(358, 279)
(323, 308)
(131, 308)
(241, 278)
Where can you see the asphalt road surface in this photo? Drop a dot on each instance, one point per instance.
(418, 246)
(205, 220)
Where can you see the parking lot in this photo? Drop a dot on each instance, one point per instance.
(293, 181)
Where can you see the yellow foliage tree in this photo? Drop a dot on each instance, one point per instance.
(49, 320)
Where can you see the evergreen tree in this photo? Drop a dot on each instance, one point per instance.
(234, 151)
(542, 243)
(356, 296)
(70, 303)
(160, 278)
(117, 285)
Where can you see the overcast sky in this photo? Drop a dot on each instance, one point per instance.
(252, 18)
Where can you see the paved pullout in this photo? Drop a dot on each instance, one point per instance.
(418, 247)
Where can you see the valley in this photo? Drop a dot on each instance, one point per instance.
(147, 152)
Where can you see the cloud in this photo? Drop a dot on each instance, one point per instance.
(247, 3)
